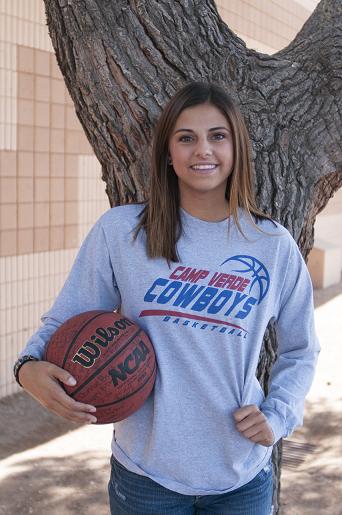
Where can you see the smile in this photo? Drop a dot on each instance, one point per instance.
(204, 168)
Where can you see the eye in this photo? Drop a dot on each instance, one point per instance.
(219, 136)
(185, 138)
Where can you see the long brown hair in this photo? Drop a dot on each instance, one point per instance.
(161, 215)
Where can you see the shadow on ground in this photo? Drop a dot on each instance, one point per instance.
(311, 471)
(24, 423)
(65, 485)
(75, 482)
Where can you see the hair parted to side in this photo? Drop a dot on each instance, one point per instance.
(161, 215)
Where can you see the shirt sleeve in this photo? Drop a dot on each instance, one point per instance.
(298, 348)
(90, 285)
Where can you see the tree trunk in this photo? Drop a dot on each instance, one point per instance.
(122, 61)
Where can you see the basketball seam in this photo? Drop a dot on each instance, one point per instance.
(77, 334)
(90, 378)
(129, 395)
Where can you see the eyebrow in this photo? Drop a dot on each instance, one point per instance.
(212, 129)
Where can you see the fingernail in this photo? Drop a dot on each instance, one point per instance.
(92, 409)
(71, 381)
(92, 420)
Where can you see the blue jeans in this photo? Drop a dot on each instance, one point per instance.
(133, 494)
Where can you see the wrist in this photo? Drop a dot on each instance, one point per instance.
(18, 365)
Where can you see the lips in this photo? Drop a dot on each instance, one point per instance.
(204, 167)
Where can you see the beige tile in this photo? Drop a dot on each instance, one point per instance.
(68, 100)
(25, 85)
(72, 122)
(57, 116)
(71, 165)
(8, 187)
(57, 165)
(71, 189)
(25, 59)
(71, 237)
(42, 114)
(71, 213)
(54, 68)
(25, 112)
(42, 89)
(56, 214)
(57, 91)
(8, 243)
(42, 62)
(56, 238)
(41, 189)
(56, 189)
(41, 214)
(25, 189)
(57, 140)
(8, 216)
(25, 241)
(71, 142)
(41, 239)
(25, 216)
(84, 146)
(25, 138)
(42, 164)
(41, 139)
(25, 164)
(8, 163)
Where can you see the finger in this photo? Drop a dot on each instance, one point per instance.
(62, 375)
(261, 440)
(243, 412)
(254, 430)
(68, 403)
(74, 416)
(250, 421)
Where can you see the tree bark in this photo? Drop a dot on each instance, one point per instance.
(122, 61)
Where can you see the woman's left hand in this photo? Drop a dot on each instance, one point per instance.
(252, 424)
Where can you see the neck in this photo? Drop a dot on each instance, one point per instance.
(210, 210)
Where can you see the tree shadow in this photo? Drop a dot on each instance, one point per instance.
(57, 485)
(312, 461)
(25, 424)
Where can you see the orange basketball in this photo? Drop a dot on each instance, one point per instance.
(111, 358)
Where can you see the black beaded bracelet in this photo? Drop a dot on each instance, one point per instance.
(19, 363)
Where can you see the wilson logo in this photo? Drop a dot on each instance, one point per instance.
(88, 353)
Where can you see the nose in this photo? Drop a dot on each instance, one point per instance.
(203, 148)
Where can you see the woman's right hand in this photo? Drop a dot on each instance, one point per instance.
(42, 379)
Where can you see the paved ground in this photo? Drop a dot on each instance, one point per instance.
(50, 466)
(311, 483)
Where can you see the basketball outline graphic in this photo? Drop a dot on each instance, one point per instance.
(259, 273)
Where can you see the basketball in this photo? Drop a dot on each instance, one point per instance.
(112, 360)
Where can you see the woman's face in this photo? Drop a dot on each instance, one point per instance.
(201, 150)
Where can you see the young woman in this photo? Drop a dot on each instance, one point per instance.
(202, 271)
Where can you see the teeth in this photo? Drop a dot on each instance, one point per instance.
(203, 167)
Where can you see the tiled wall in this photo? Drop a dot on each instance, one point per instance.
(50, 186)
(266, 25)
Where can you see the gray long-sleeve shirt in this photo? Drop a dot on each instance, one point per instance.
(206, 316)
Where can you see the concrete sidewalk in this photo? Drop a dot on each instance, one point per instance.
(68, 473)
(312, 464)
